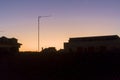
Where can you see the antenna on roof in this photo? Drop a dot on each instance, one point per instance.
(39, 18)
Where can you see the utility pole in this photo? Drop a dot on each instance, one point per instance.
(39, 18)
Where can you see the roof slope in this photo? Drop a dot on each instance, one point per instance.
(94, 38)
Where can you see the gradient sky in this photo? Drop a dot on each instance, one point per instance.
(69, 18)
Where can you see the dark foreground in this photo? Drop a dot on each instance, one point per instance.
(69, 66)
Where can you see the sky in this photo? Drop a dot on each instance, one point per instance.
(68, 18)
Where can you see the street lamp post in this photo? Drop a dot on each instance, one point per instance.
(39, 18)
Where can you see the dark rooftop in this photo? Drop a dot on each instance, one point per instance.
(8, 41)
(95, 38)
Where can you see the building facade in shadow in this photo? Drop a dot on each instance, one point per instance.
(93, 44)
(9, 45)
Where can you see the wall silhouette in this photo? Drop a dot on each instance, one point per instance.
(93, 44)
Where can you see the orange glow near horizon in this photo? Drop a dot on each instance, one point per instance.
(56, 38)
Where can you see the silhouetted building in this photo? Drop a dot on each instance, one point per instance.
(9, 45)
(93, 44)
